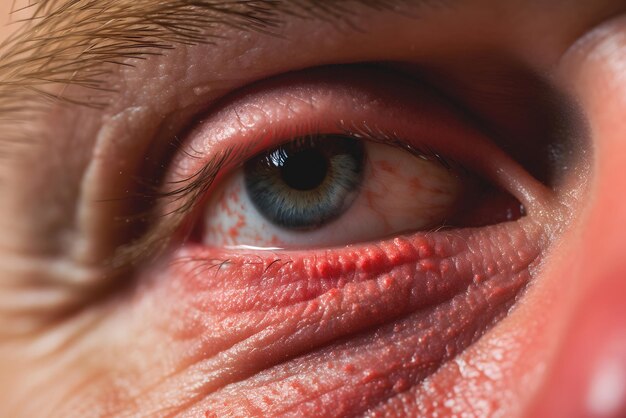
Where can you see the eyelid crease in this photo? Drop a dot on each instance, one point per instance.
(363, 130)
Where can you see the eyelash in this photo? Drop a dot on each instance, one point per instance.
(172, 205)
(189, 194)
(201, 182)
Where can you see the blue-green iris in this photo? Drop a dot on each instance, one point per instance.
(306, 183)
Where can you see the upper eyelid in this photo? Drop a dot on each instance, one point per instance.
(189, 188)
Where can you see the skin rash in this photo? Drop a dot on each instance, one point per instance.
(492, 320)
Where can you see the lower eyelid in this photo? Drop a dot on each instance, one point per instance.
(443, 288)
(455, 255)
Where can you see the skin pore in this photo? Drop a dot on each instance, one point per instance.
(118, 118)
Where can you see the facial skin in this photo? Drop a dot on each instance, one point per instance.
(110, 306)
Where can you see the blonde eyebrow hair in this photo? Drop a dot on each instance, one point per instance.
(75, 42)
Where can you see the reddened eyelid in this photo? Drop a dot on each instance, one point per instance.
(370, 100)
(321, 101)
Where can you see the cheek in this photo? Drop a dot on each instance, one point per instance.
(242, 329)
(589, 375)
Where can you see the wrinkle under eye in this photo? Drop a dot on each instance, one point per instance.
(371, 318)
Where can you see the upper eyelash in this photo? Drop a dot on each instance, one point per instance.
(190, 191)
(201, 182)
(364, 131)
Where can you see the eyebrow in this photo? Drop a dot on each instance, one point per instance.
(75, 42)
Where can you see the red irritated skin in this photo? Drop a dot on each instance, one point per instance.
(522, 318)
(331, 331)
(408, 305)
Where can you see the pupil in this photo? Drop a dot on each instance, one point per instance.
(305, 170)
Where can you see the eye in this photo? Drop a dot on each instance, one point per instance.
(309, 162)
(327, 190)
(342, 156)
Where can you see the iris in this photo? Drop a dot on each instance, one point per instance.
(307, 183)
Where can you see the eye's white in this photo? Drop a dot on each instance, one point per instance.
(400, 193)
